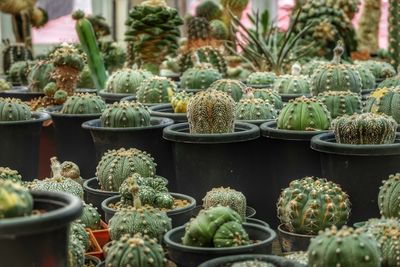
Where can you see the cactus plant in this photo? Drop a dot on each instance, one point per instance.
(40, 75)
(9, 174)
(298, 256)
(4, 85)
(126, 81)
(113, 54)
(156, 90)
(389, 196)
(216, 227)
(117, 165)
(367, 77)
(60, 96)
(266, 79)
(13, 53)
(391, 82)
(179, 101)
(368, 27)
(78, 232)
(394, 28)
(292, 116)
(336, 76)
(125, 114)
(234, 88)
(384, 101)
(19, 71)
(83, 103)
(209, 9)
(138, 250)
(85, 78)
(90, 217)
(294, 84)
(204, 54)
(380, 69)
(76, 253)
(16, 201)
(227, 197)
(310, 67)
(340, 103)
(344, 247)
(366, 128)
(269, 95)
(59, 184)
(299, 213)
(13, 109)
(218, 30)
(200, 77)
(198, 29)
(211, 111)
(254, 109)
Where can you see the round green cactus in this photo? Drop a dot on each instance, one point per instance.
(179, 101)
(16, 201)
(200, 77)
(340, 103)
(366, 128)
(76, 253)
(344, 247)
(385, 101)
(4, 85)
(117, 165)
(292, 116)
(125, 114)
(156, 90)
(60, 96)
(368, 79)
(218, 30)
(209, 9)
(204, 54)
(389, 197)
(40, 75)
(380, 69)
(9, 174)
(13, 109)
(90, 217)
(234, 88)
(83, 103)
(299, 213)
(269, 95)
(211, 111)
(126, 81)
(390, 82)
(19, 71)
(254, 109)
(223, 235)
(138, 250)
(294, 84)
(198, 29)
(227, 197)
(50, 89)
(310, 67)
(85, 79)
(266, 79)
(59, 184)
(77, 231)
(14, 52)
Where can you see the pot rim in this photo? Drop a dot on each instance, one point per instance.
(31, 224)
(161, 123)
(250, 211)
(269, 130)
(55, 112)
(179, 133)
(242, 257)
(211, 250)
(37, 117)
(103, 92)
(21, 90)
(154, 111)
(282, 229)
(86, 187)
(326, 143)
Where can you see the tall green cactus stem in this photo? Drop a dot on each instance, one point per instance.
(344, 247)
(59, 184)
(389, 197)
(13, 109)
(83, 103)
(13, 53)
(294, 84)
(269, 95)
(234, 88)
(266, 79)
(340, 103)
(40, 75)
(366, 128)
(211, 111)
(126, 81)
(117, 165)
(254, 109)
(226, 197)
(9, 174)
(180, 100)
(125, 114)
(292, 116)
(368, 79)
(394, 30)
(4, 85)
(87, 39)
(19, 71)
(90, 217)
(204, 54)
(138, 250)
(385, 101)
(156, 89)
(368, 26)
(299, 213)
(380, 69)
(16, 201)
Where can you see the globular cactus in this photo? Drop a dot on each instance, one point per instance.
(209, 9)
(156, 89)
(126, 81)
(344, 247)
(125, 114)
(366, 128)
(384, 101)
(211, 111)
(266, 79)
(59, 184)
(227, 197)
(85, 78)
(380, 69)
(13, 109)
(9, 174)
(83, 103)
(350, 7)
(340, 103)
(292, 117)
(16, 201)
(234, 88)
(311, 204)
(40, 75)
(198, 29)
(117, 165)
(294, 84)
(200, 77)
(389, 197)
(13, 53)
(394, 29)
(78, 232)
(204, 54)
(138, 250)
(218, 30)
(310, 67)
(60, 96)
(90, 217)
(368, 80)
(391, 82)
(269, 95)
(19, 71)
(216, 227)
(4, 85)
(336, 76)
(50, 89)
(254, 109)
(179, 101)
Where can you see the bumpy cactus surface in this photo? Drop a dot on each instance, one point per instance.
(340, 103)
(292, 116)
(385, 101)
(76, 253)
(227, 197)
(344, 247)
(310, 67)
(13, 53)
(266, 79)
(85, 79)
(209, 9)
(77, 231)
(234, 88)
(394, 29)
(200, 77)
(350, 7)
(117, 165)
(368, 80)
(390, 82)
(16, 201)
(389, 197)
(156, 90)
(198, 29)
(380, 69)
(90, 217)
(211, 111)
(126, 81)
(219, 30)
(83, 104)
(179, 101)
(125, 114)
(269, 95)
(204, 54)
(59, 184)
(40, 75)
(13, 109)
(9, 174)
(19, 71)
(299, 212)
(254, 109)
(366, 128)
(294, 84)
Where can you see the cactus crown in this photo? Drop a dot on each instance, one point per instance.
(68, 56)
(156, 89)
(200, 77)
(126, 81)
(90, 217)
(59, 184)
(296, 83)
(9, 174)
(254, 109)
(234, 88)
(227, 197)
(12, 109)
(16, 201)
(83, 104)
(340, 102)
(125, 114)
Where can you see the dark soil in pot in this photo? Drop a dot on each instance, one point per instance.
(40, 240)
(229, 260)
(292, 242)
(189, 256)
(110, 98)
(165, 110)
(359, 169)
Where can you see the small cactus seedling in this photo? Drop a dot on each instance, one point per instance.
(340, 103)
(4, 85)
(389, 197)
(226, 197)
(234, 88)
(385, 101)
(125, 114)
(16, 201)
(126, 81)
(13, 109)
(156, 90)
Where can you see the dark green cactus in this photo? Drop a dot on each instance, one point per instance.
(254, 109)
(384, 101)
(16, 201)
(83, 103)
(209, 9)
(310, 67)
(391, 82)
(380, 69)
(13, 53)
(90, 217)
(13, 109)
(389, 197)
(266, 79)
(9, 174)
(125, 114)
(340, 103)
(198, 29)
(126, 81)
(234, 88)
(219, 30)
(19, 71)
(156, 89)
(269, 95)
(40, 75)
(85, 79)
(294, 84)
(200, 77)
(204, 54)
(227, 197)
(60, 96)
(76, 253)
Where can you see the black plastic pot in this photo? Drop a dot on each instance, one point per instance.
(165, 110)
(287, 97)
(110, 98)
(257, 221)
(148, 139)
(93, 194)
(229, 260)
(89, 259)
(87, 90)
(204, 161)
(359, 169)
(19, 145)
(22, 92)
(74, 143)
(250, 212)
(255, 122)
(292, 242)
(40, 240)
(178, 216)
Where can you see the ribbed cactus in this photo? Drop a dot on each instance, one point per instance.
(125, 114)
(13, 53)
(198, 29)
(83, 103)
(90, 217)
(9, 174)
(77, 231)
(294, 84)
(126, 81)
(269, 95)
(211, 111)
(85, 79)
(391, 82)
(336, 76)
(394, 29)
(266, 79)
(204, 54)
(200, 77)
(19, 71)
(4, 85)
(344, 247)
(389, 197)
(380, 69)
(254, 109)
(299, 213)
(117, 165)
(292, 116)
(219, 30)
(40, 75)
(180, 100)
(156, 89)
(234, 88)
(368, 79)
(13, 109)
(59, 184)
(227, 197)
(384, 101)
(366, 128)
(340, 103)
(16, 201)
